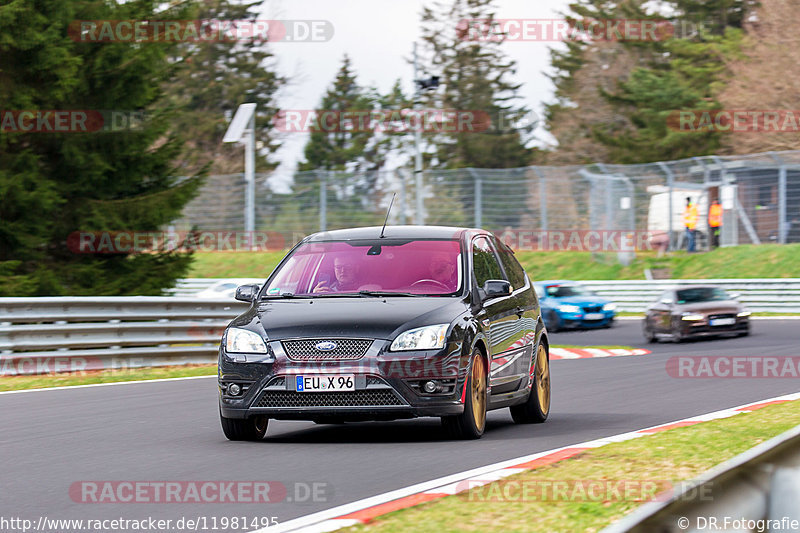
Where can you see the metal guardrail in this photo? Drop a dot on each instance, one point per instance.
(742, 494)
(777, 295)
(43, 335)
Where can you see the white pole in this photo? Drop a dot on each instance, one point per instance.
(249, 180)
(420, 218)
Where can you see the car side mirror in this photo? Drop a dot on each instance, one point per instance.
(666, 301)
(735, 296)
(495, 288)
(246, 293)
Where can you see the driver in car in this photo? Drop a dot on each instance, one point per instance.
(443, 270)
(346, 277)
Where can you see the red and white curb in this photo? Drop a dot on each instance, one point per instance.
(589, 353)
(362, 511)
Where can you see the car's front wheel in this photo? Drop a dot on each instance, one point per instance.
(471, 423)
(536, 409)
(253, 428)
(649, 334)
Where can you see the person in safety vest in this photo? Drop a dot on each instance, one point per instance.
(690, 221)
(714, 222)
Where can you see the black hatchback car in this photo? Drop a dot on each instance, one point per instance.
(372, 324)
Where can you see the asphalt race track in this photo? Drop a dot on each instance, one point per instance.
(169, 431)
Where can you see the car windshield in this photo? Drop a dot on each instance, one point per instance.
(417, 267)
(559, 291)
(702, 294)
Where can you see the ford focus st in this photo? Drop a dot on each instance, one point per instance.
(372, 324)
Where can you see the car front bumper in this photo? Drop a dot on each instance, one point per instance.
(387, 386)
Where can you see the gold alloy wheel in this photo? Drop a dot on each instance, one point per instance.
(543, 380)
(478, 393)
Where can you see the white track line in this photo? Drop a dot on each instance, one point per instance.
(337, 517)
(107, 384)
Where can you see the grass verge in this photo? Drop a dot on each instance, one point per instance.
(90, 377)
(671, 456)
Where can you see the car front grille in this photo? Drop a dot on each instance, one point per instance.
(721, 315)
(592, 309)
(345, 350)
(358, 398)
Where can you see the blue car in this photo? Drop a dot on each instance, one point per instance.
(567, 304)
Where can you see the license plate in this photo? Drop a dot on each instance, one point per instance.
(722, 321)
(325, 383)
(594, 316)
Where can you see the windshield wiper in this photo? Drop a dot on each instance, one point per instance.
(287, 296)
(379, 294)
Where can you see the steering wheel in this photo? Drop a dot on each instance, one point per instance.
(432, 282)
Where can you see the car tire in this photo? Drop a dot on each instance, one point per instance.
(649, 334)
(253, 428)
(554, 322)
(472, 422)
(537, 407)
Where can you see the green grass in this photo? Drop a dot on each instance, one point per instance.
(668, 457)
(747, 261)
(103, 376)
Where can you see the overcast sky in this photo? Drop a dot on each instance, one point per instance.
(378, 37)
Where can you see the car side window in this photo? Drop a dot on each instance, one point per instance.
(516, 275)
(484, 262)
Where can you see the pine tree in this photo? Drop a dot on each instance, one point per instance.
(214, 79)
(55, 184)
(476, 75)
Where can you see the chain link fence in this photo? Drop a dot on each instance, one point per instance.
(759, 194)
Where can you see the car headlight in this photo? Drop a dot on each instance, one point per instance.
(743, 312)
(239, 340)
(692, 316)
(569, 308)
(610, 307)
(425, 338)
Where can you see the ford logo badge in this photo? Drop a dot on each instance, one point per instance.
(325, 346)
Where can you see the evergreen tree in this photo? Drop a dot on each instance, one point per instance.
(56, 183)
(476, 75)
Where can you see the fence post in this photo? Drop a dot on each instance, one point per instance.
(670, 180)
(478, 197)
(781, 197)
(323, 200)
(542, 198)
(400, 174)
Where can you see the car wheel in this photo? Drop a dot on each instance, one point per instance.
(554, 323)
(471, 423)
(537, 407)
(253, 428)
(649, 334)
(677, 335)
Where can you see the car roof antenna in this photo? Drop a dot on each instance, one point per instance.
(387, 214)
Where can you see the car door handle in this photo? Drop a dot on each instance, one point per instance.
(519, 311)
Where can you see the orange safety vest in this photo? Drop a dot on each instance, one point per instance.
(715, 216)
(690, 216)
